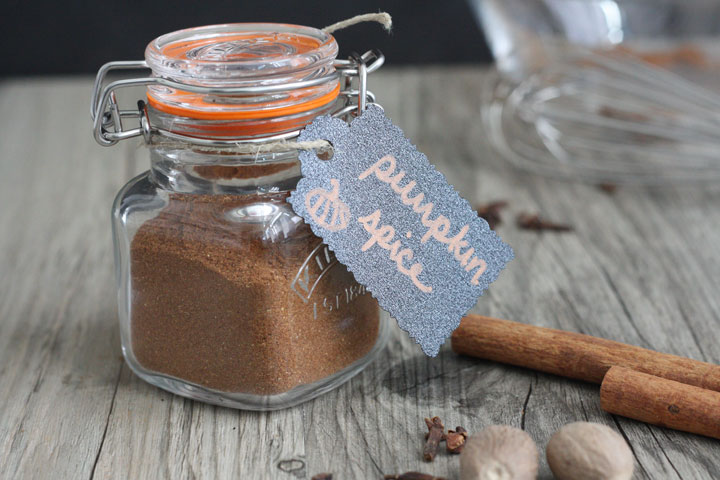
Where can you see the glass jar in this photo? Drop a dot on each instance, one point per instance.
(225, 295)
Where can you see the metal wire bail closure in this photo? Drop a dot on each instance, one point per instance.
(108, 118)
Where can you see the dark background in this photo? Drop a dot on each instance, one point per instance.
(63, 37)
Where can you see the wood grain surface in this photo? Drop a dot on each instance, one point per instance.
(642, 266)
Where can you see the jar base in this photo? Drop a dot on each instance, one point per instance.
(245, 401)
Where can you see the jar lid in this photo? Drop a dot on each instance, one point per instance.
(265, 55)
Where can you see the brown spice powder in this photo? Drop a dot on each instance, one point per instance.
(241, 171)
(212, 301)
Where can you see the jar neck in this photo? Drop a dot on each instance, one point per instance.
(182, 168)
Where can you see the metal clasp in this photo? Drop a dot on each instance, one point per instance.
(108, 118)
(360, 66)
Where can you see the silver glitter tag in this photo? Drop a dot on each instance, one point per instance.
(398, 225)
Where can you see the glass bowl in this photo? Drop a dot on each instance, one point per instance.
(620, 91)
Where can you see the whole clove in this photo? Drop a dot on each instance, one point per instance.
(322, 476)
(413, 476)
(532, 221)
(491, 212)
(608, 188)
(436, 434)
(455, 440)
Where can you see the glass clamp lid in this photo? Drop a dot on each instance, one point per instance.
(220, 84)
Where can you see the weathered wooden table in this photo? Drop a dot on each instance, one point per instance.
(642, 266)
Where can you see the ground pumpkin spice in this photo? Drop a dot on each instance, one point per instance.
(212, 301)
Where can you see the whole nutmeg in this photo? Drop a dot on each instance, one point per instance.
(590, 451)
(499, 452)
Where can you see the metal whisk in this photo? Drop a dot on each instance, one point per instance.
(606, 117)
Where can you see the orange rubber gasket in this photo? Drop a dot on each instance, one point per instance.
(236, 114)
(223, 129)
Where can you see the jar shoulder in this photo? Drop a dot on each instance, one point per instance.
(265, 217)
(139, 194)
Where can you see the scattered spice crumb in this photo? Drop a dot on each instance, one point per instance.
(491, 212)
(620, 114)
(608, 188)
(455, 440)
(532, 221)
(323, 476)
(413, 476)
(436, 433)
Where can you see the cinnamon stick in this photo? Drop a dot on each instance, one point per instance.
(661, 402)
(571, 354)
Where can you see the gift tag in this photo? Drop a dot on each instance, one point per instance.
(397, 224)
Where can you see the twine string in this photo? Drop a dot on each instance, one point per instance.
(322, 146)
(283, 146)
(382, 18)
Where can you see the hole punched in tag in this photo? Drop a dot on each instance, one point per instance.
(326, 153)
